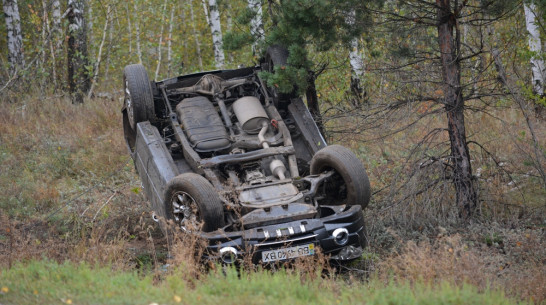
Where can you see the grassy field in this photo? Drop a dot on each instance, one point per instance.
(48, 282)
(76, 228)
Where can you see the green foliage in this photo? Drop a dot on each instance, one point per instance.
(497, 8)
(47, 282)
(236, 40)
(286, 79)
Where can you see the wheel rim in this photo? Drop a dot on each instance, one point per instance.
(185, 211)
(129, 104)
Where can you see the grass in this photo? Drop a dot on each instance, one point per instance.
(49, 282)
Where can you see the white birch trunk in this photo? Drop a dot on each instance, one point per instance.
(137, 36)
(56, 15)
(129, 28)
(206, 10)
(196, 37)
(160, 41)
(184, 34)
(537, 64)
(169, 43)
(96, 67)
(356, 60)
(216, 31)
(45, 33)
(229, 26)
(107, 62)
(16, 56)
(256, 24)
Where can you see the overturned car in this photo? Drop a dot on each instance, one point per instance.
(234, 161)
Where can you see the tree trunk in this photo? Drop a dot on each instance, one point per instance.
(537, 64)
(160, 41)
(256, 24)
(16, 56)
(78, 80)
(96, 67)
(357, 70)
(137, 38)
(466, 196)
(216, 31)
(129, 29)
(56, 15)
(229, 25)
(169, 43)
(356, 61)
(196, 37)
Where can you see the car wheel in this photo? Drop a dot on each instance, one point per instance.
(350, 184)
(139, 100)
(277, 55)
(193, 203)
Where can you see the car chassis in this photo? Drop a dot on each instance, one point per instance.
(235, 162)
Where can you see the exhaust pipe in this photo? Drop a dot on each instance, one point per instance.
(228, 255)
(341, 236)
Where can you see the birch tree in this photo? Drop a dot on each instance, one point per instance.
(16, 56)
(78, 80)
(535, 45)
(256, 24)
(169, 42)
(216, 31)
(356, 61)
(196, 38)
(158, 66)
(96, 67)
(137, 35)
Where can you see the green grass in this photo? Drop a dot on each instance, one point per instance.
(47, 282)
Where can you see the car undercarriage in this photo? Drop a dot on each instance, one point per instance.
(229, 159)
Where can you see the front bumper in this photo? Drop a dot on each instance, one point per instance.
(317, 231)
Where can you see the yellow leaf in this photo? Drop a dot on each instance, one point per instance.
(177, 299)
(5, 289)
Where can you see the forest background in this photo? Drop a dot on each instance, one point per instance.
(378, 77)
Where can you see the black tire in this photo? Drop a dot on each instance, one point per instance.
(200, 197)
(277, 56)
(139, 99)
(350, 184)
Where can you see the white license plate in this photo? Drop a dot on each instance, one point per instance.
(287, 253)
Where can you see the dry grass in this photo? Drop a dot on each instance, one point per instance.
(516, 265)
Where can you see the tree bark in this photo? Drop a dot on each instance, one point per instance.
(229, 20)
(356, 61)
(466, 195)
(160, 43)
(357, 69)
(96, 67)
(169, 43)
(196, 37)
(16, 56)
(78, 80)
(137, 37)
(535, 45)
(256, 24)
(216, 31)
